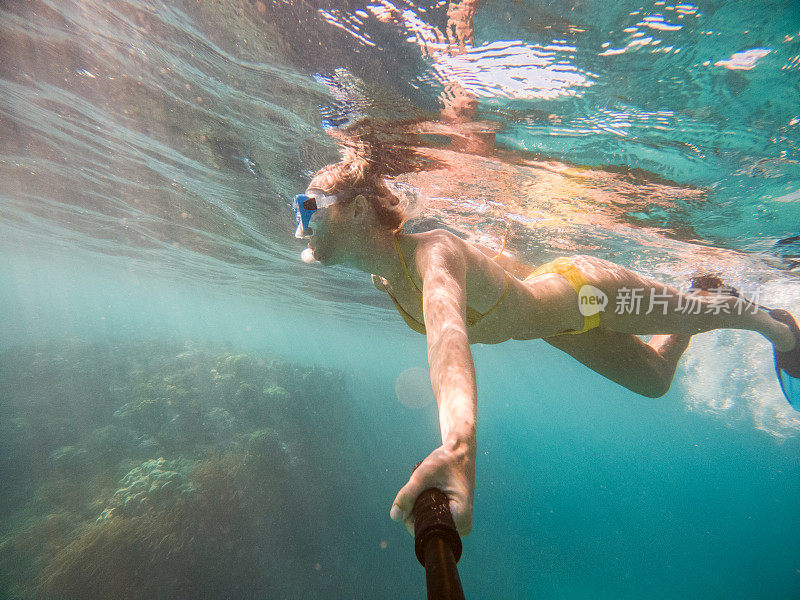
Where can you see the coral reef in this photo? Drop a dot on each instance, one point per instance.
(176, 472)
(202, 535)
(155, 484)
(68, 460)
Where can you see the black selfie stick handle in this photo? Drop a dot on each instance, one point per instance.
(437, 545)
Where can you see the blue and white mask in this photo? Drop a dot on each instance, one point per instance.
(304, 206)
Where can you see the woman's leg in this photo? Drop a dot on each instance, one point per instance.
(642, 306)
(643, 368)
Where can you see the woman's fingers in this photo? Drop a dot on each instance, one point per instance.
(404, 501)
(462, 518)
(439, 472)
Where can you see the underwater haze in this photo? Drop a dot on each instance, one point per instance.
(187, 410)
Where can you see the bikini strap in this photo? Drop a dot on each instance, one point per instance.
(502, 249)
(405, 266)
(499, 300)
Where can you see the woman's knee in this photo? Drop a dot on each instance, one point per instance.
(656, 388)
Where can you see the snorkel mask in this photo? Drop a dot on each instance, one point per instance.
(304, 206)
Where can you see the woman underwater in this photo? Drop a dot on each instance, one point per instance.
(457, 295)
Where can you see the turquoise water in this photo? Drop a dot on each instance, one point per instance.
(148, 155)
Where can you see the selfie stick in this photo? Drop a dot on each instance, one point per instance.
(437, 545)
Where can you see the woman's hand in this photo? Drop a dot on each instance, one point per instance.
(451, 468)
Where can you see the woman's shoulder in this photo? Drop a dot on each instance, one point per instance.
(439, 246)
(440, 242)
(436, 237)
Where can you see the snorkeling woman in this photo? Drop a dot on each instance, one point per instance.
(457, 295)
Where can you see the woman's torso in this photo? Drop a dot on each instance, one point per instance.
(500, 306)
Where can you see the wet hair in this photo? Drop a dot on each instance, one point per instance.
(348, 179)
(371, 151)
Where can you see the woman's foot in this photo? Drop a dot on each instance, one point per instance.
(787, 360)
(787, 363)
(711, 284)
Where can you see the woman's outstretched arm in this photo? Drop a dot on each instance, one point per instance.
(449, 356)
(451, 467)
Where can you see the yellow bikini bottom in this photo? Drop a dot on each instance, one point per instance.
(564, 267)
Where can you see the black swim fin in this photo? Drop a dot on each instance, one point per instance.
(787, 364)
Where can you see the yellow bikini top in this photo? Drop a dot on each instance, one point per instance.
(473, 316)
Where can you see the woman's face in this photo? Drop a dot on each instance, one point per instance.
(329, 227)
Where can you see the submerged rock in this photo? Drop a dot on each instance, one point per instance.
(154, 485)
(247, 394)
(68, 460)
(110, 443)
(276, 396)
(240, 366)
(219, 424)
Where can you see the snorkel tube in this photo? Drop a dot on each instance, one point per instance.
(307, 256)
(437, 545)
